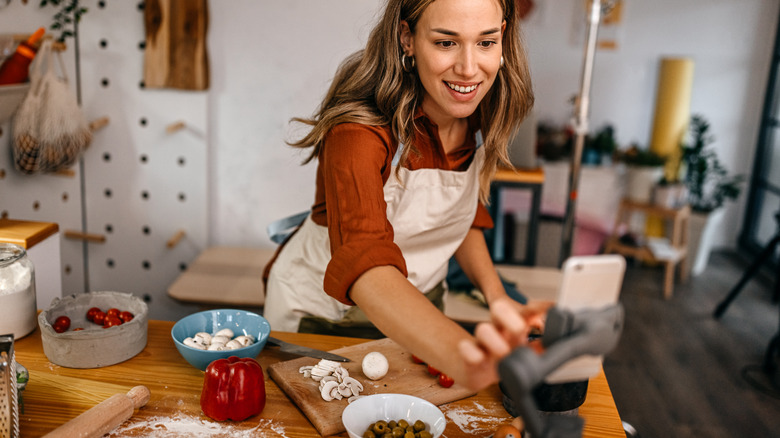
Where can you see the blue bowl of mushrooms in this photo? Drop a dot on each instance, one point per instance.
(204, 337)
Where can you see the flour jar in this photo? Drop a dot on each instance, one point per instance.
(18, 309)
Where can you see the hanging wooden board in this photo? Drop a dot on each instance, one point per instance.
(176, 55)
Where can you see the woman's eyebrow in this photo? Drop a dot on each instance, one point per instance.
(453, 33)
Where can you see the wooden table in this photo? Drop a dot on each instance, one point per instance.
(56, 394)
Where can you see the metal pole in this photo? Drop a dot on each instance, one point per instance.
(581, 129)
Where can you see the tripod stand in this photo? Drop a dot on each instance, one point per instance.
(769, 367)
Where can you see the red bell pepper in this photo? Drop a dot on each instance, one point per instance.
(233, 389)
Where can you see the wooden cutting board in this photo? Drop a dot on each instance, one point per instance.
(175, 54)
(403, 377)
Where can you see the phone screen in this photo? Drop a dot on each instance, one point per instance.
(589, 282)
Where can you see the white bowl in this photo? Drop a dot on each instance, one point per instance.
(361, 413)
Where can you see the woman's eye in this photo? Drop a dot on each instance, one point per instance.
(446, 44)
(486, 44)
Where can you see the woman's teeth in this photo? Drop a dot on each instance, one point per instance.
(461, 89)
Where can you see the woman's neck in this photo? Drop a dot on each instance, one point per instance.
(452, 130)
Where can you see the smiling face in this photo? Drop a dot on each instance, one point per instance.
(457, 49)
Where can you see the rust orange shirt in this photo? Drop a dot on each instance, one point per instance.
(353, 166)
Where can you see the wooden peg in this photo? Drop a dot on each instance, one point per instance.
(176, 126)
(98, 124)
(89, 237)
(173, 241)
(70, 173)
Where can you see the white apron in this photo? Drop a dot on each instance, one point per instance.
(431, 212)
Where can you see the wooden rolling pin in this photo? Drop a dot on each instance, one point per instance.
(105, 417)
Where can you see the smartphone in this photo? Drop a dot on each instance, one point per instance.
(588, 282)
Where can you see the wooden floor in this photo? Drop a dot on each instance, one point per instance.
(677, 371)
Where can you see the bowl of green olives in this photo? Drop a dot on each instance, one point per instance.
(399, 415)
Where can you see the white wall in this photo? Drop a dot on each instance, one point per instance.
(272, 60)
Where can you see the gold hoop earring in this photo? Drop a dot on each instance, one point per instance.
(407, 66)
(501, 63)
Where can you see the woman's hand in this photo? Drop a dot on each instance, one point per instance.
(509, 327)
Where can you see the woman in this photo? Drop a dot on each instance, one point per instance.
(402, 180)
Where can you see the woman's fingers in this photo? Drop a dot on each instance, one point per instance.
(511, 323)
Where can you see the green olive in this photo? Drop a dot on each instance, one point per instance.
(419, 425)
(380, 427)
(403, 424)
(398, 432)
(369, 434)
(425, 434)
(392, 424)
(409, 435)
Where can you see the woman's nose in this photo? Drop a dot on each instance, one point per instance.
(466, 63)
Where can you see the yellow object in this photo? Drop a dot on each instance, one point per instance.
(672, 111)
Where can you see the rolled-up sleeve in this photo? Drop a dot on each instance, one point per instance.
(353, 167)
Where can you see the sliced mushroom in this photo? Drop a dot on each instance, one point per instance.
(354, 397)
(326, 390)
(345, 390)
(335, 393)
(327, 379)
(355, 384)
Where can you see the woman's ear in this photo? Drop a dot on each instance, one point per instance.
(405, 37)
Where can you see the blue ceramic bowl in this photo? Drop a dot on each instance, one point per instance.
(211, 321)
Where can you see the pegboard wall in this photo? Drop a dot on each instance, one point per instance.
(142, 183)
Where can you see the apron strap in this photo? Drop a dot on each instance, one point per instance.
(280, 230)
(397, 157)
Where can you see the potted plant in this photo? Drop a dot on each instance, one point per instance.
(709, 187)
(643, 172)
(601, 145)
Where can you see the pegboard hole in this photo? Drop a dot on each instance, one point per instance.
(145, 195)
(142, 45)
(104, 43)
(147, 298)
(182, 266)
(109, 228)
(65, 196)
(141, 6)
(182, 197)
(143, 121)
(182, 161)
(68, 269)
(106, 157)
(142, 85)
(101, 4)
(107, 192)
(144, 158)
(146, 230)
(2, 173)
(36, 205)
(104, 82)
(4, 215)
(146, 265)
(110, 263)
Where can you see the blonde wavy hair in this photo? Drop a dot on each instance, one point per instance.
(372, 88)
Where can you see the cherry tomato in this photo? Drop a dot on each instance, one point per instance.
(416, 359)
(433, 371)
(59, 328)
(126, 316)
(99, 317)
(78, 329)
(113, 312)
(507, 431)
(111, 321)
(62, 321)
(446, 381)
(91, 313)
